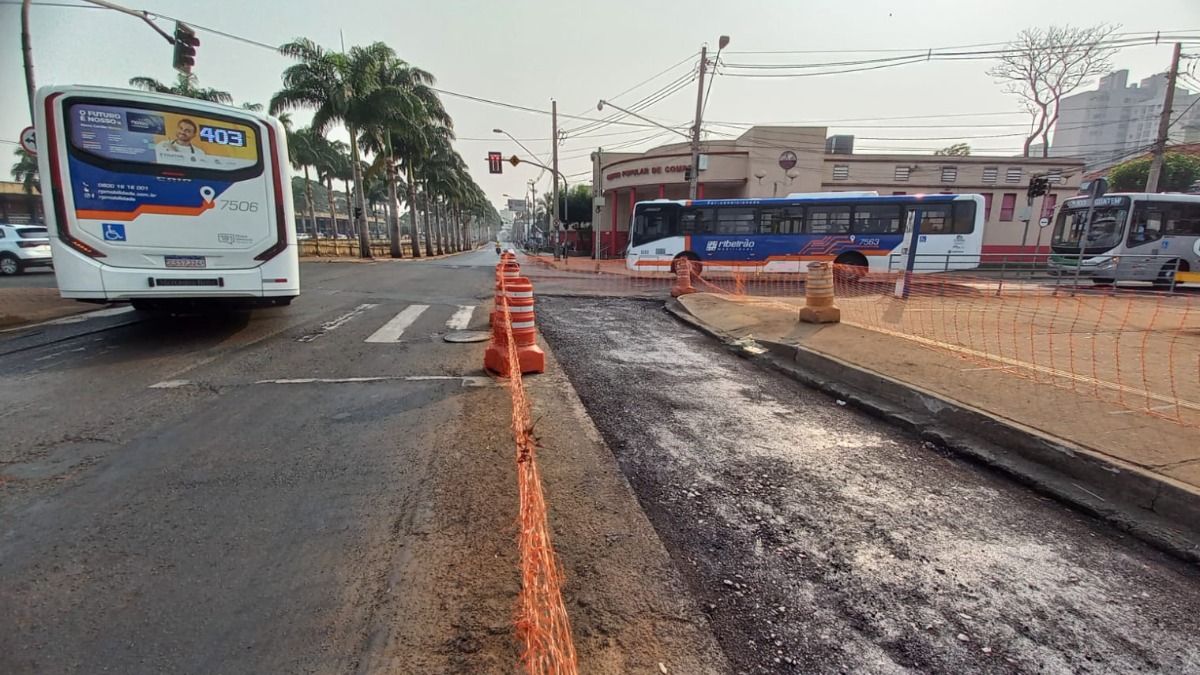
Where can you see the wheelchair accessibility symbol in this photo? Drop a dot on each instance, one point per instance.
(114, 232)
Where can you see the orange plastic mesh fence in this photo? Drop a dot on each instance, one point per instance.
(1134, 348)
(542, 622)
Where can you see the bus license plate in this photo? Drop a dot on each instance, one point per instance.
(186, 261)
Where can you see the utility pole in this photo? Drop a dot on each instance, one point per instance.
(1164, 125)
(554, 178)
(694, 183)
(27, 52)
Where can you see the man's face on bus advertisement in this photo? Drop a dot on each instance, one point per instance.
(185, 131)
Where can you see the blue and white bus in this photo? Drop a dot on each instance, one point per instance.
(165, 201)
(862, 232)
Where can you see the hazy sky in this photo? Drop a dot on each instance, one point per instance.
(530, 51)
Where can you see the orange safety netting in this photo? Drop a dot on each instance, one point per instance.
(1135, 348)
(542, 622)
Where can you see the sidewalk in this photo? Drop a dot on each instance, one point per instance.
(1133, 445)
(20, 306)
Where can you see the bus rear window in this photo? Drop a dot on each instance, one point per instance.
(161, 137)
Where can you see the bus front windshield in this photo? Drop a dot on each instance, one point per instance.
(653, 222)
(1104, 234)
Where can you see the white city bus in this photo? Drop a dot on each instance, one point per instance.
(165, 201)
(860, 232)
(1131, 237)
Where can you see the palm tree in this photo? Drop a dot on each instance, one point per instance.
(333, 164)
(25, 172)
(356, 89)
(186, 85)
(304, 149)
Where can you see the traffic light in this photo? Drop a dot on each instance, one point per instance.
(357, 212)
(495, 162)
(185, 48)
(1038, 186)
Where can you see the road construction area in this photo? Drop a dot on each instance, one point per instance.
(818, 540)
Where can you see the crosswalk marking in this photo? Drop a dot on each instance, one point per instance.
(392, 330)
(461, 318)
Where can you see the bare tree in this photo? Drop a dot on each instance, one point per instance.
(1042, 66)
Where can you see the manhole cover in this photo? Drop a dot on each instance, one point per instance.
(468, 336)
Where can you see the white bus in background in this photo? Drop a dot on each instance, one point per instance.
(165, 202)
(1131, 237)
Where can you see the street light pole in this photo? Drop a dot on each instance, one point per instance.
(27, 53)
(694, 176)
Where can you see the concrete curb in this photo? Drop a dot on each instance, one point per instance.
(1150, 507)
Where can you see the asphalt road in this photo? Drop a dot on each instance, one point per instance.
(36, 277)
(819, 541)
(249, 493)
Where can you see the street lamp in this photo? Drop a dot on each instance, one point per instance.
(792, 174)
(600, 107)
(514, 140)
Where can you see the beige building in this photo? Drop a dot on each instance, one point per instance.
(769, 162)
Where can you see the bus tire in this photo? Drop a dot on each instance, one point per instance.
(850, 266)
(10, 265)
(697, 266)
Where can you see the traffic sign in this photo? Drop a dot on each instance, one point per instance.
(29, 140)
(514, 160)
(1043, 222)
(787, 160)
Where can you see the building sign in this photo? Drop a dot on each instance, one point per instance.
(516, 205)
(647, 171)
(787, 160)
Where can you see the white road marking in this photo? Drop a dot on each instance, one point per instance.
(171, 384)
(461, 318)
(55, 354)
(393, 329)
(467, 380)
(330, 326)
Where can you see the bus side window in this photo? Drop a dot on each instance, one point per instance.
(829, 219)
(964, 217)
(877, 219)
(935, 218)
(768, 220)
(696, 221)
(736, 221)
(1183, 220)
(1147, 225)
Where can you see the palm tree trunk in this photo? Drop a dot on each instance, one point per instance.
(428, 229)
(393, 214)
(364, 235)
(349, 210)
(437, 205)
(332, 209)
(412, 214)
(312, 214)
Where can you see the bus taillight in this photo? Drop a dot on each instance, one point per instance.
(281, 227)
(56, 191)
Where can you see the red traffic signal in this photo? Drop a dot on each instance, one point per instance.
(495, 162)
(185, 48)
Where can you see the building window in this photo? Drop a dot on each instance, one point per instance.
(987, 206)
(990, 174)
(1048, 204)
(841, 171)
(901, 173)
(1007, 207)
(1055, 176)
(1012, 176)
(949, 174)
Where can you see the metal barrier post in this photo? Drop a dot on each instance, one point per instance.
(905, 282)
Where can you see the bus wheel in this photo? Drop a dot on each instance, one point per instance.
(850, 266)
(697, 266)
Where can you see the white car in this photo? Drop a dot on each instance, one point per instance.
(22, 247)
